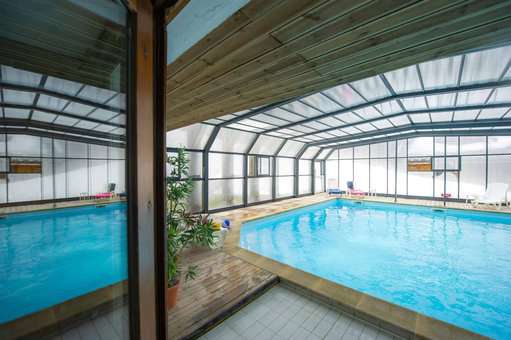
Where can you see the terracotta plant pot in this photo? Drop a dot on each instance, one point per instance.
(171, 298)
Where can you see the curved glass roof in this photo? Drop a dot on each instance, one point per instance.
(38, 102)
(459, 93)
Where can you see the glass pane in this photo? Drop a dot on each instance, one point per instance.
(379, 176)
(420, 183)
(361, 174)
(64, 255)
(391, 175)
(285, 186)
(361, 151)
(401, 176)
(285, 166)
(233, 140)
(472, 145)
(259, 189)
(225, 193)
(420, 146)
(332, 173)
(304, 185)
(499, 144)
(499, 169)
(379, 150)
(472, 176)
(452, 184)
(304, 167)
(345, 173)
(452, 145)
(346, 153)
(225, 165)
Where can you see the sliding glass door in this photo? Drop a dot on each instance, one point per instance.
(64, 113)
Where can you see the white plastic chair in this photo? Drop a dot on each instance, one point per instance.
(495, 194)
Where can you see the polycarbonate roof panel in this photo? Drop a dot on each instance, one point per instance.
(389, 107)
(52, 103)
(420, 118)
(269, 119)
(96, 94)
(344, 95)
(323, 154)
(445, 116)
(441, 100)
(16, 76)
(230, 140)
(43, 116)
(16, 113)
(399, 120)
(321, 102)
(414, 103)
(266, 145)
(245, 127)
(310, 152)
(472, 97)
(291, 148)
(192, 137)
(349, 117)
(484, 66)
(63, 103)
(367, 113)
(465, 114)
(62, 86)
(256, 124)
(440, 73)
(371, 88)
(382, 124)
(404, 79)
(301, 109)
(418, 91)
(283, 114)
(496, 113)
(318, 125)
(18, 97)
(304, 129)
(330, 121)
(500, 95)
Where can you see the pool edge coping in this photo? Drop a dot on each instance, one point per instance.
(387, 315)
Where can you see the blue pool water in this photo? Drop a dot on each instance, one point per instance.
(453, 265)
(52, 256)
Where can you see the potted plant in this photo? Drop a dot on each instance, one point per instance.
(184, 229)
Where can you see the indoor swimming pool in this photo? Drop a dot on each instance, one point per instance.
(452, 265)
(51, 256)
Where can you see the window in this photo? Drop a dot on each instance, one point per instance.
(67, 143)
(259, 166)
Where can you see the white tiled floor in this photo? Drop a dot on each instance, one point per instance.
(282, 313)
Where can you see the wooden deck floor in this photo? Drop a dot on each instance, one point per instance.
(224, 282)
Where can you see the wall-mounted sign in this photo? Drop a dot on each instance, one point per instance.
(25, 166)
(420, 164)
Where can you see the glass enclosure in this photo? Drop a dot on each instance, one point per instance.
(63, 169)
(460, 166)
(438, 129)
